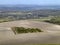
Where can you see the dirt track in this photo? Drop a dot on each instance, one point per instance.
(51, 33)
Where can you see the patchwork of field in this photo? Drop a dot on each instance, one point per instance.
(51, 33)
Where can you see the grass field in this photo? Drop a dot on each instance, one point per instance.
(42, 19)
(42, 44)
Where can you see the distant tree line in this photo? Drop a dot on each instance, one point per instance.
(55, 20)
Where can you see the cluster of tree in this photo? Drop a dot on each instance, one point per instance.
(25, 30)
(55, 20)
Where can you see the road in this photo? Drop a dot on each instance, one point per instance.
(51, 33)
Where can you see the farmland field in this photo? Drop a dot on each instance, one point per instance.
(51, 34)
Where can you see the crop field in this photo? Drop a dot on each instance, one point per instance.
(50, 34)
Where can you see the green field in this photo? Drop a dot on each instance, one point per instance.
(42, 19)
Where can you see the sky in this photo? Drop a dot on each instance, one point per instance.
(32, 2)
